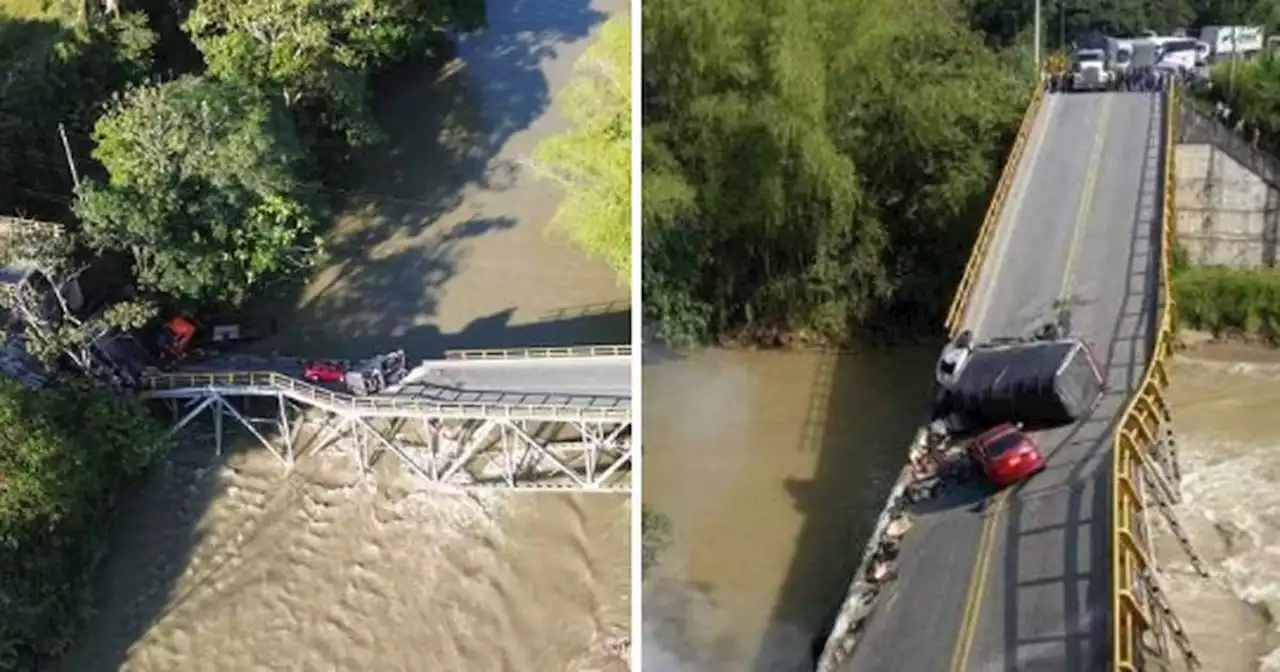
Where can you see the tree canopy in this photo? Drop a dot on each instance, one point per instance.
(809, 166)
(55, 74)
(592, 161)
(65, 450)
(202, 190)
(318, 53)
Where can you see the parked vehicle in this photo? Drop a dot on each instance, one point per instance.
(181, 336)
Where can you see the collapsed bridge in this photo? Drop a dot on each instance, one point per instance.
(539, 418)
(1057, 573)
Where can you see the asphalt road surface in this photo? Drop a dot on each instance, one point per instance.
(595, 382)
(602, 382)
(1019, 580)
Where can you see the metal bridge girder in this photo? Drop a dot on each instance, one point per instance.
(450, 445)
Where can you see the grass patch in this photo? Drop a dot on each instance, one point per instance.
(1229, 301)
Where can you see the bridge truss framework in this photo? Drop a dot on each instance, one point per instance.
(463, 446)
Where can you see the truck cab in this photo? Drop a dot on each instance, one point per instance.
(1090, 71)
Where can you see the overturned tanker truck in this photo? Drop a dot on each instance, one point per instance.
(1039, 383)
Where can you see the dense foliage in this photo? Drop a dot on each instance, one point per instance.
(65, 450)
(1251, 90)
(811, 167)
(317, 54)
(57, 74)
(202, 190)
(1228, 301)
(592, 161)
(202, 180)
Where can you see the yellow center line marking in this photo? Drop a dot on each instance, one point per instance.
(977, 580)
(982, 557)
(1086, 198)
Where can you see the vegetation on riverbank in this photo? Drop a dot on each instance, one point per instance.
(1229, 302)
(794, 187)
(67, 449)
(1249, 89)
(280, 92)
(592, 160)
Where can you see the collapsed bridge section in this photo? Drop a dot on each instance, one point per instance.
(539, 418)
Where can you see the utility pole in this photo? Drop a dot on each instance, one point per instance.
(1235, 48)
(1062, 26)
(1036, 48)
(71, 162)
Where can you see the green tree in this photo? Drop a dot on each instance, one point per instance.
(54, 73)
(202, 190)
(64, 452)
(795, 186)
(592, 161)
(318, 53)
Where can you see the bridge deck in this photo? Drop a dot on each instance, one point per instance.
(1019, 579)
(568, 381)
(601, 381)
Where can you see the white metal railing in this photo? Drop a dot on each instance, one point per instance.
(584, 351)
(189, 384)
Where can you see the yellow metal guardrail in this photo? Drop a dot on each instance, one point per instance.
(1131, 608)
(376, 404)
(995, 208)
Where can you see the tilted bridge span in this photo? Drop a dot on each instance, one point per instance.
(1058, 573)
(540, 418)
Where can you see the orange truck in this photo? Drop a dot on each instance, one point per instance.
(182, 336)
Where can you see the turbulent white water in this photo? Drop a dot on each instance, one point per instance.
(240, 567)
(1229, 435)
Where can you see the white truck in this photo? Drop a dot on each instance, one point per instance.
(1227, 42)
(1091, 71)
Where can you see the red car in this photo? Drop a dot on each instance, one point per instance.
(1007, 455)
(324, 372)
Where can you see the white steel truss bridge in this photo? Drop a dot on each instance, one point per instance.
(534, 419)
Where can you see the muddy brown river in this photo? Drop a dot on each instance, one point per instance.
(772, 466)
(1225, 401)
(232, 565)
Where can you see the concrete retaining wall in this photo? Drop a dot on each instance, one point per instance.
(1228, 196)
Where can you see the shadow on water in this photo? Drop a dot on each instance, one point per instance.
(136, 582)
(425, 197)
(860, 431)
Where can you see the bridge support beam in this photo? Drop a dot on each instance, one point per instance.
(487, 451)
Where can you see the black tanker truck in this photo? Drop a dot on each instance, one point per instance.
(1039, 383)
